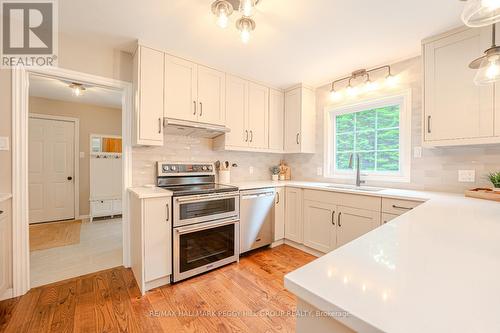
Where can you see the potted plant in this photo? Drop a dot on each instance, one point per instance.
(275, 171)
(494, 178)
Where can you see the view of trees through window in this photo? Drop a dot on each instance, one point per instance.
(374, 134)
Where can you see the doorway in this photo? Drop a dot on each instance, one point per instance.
(105, 231)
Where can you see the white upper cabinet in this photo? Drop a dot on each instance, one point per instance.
(258, 115)
(276, 119)
(236, 112)
(300, 120)
(181, 99)
(148, 96)
(211, 96)
(456, 111)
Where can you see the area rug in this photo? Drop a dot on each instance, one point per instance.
(54, 234)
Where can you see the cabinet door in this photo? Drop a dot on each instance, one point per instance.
(293, 214)
(455, 108)
(158, 232)
(293, 101)
(279, 214)
(236, 111)
(276, 119)
(319, 226)
(386, 217)
(150, 104)
(353, 223)
(258, 115)
(180, 89)
(211, 96)
(5, 250)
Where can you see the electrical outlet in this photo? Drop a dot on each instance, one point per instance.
(250, 170)
(4, 143)
(417, 152)
(319, 171)
(467, 176)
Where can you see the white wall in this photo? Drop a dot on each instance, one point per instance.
(438, 167)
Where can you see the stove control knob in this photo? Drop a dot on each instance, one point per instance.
(204, 168)
(209, 168)
(173, 168)
(165, 168)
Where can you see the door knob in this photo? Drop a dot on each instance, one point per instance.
(70, 178)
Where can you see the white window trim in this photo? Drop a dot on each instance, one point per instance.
(402, 97)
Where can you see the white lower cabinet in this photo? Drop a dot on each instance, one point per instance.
(279, 214)
(353, 223)
(386, 217)
(5, 250)
(293, 214)
(320, 226)
(151, 241)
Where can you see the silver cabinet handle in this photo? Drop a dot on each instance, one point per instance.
(277, 197)
(246, 137)
(201, 109)
(297, 138)
(251, 136)
(194, 112)
(168, 213)
(401, 207)
(340, 225)
(159, 125)
(429, 124)
(333, 218)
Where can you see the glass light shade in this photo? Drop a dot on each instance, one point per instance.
(245, 35)
(222, 19)
(247, 7)
(245, 25)
(335, 95)
(371, 86)
(480, 13)
(222, 9)
(489, 71)
(77, 89)
(352, 91)
(392, 80)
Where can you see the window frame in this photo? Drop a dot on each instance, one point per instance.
(401, 98)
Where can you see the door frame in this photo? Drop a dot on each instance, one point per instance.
(20, 114)
(76, 154)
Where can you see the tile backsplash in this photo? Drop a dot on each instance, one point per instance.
(188, 149)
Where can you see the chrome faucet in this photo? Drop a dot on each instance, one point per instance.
(358, 169)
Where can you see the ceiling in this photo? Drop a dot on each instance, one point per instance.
(50, 88)
(309, 41)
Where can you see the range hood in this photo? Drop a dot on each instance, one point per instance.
(193, 129)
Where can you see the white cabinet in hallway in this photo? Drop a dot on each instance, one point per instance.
(354, 222)
(456, 111)
(276, 120)
(148, 96)
(320, 230)
(279, 214)
(151, 240)
(300, 120)
(293, 214)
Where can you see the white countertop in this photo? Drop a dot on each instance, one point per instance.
(5, 196)
(144, 192)
(433, 269)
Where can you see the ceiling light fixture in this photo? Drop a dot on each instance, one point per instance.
(245, 25)
(77, 88)
(222, 9)
(479, 13)
(488, 66)
(247, 7)
(368, 84)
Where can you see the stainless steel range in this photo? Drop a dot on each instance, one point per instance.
(205, 218)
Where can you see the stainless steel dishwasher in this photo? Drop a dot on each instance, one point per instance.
(256, 218)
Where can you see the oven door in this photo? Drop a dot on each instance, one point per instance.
(205, 246)
(204, 208)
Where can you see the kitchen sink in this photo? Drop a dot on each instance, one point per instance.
(355, 188)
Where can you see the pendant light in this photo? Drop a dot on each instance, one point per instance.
(480, 13)
(222, 9)
(77, 89)
(488, 66)
(247, 7)
(245, 25)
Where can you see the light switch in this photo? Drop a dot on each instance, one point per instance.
(417, 152)
(4, 143)
(319, 171)
(250, 170)
(467, 176)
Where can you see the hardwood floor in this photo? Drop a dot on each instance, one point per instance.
(244, 297)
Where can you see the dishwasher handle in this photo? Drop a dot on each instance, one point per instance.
(258, 195)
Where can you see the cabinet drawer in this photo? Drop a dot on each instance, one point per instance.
(102, 207)
(386, 217)
(344, 199)
(117, 206)
(398, 206)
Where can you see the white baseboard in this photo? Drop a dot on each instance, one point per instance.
(277, 243)
(9, 293)
(82, 217)
(304, 248)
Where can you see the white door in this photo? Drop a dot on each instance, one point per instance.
(258, 115)
(353, 223)
(211, 96)
(293, 107)
(319, 226)
(236, 111)
(293, 214)
(181, 91)
(51, 170)
(276, 119)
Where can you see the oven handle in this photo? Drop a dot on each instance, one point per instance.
(205, 226)
(206, 198)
